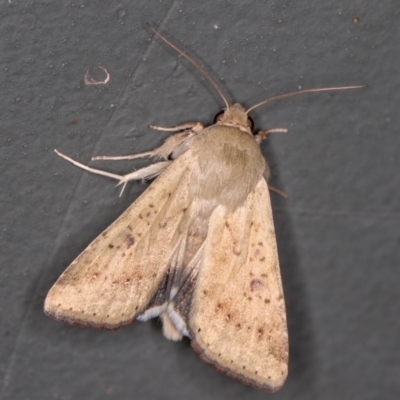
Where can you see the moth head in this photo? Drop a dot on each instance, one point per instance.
(234, 115)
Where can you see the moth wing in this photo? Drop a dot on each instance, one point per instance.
(237, 321)
(116, 276)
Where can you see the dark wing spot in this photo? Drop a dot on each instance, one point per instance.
(111, 246)
(256, 284)
(130, 240)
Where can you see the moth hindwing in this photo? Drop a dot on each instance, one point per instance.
(196, 249)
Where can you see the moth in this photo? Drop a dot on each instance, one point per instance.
(197, 249)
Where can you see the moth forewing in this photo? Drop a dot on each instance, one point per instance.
(237, 320)
(115, 277)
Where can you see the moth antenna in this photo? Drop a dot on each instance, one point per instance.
(190, 59)
(291, 94)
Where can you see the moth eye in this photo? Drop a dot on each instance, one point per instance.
(219, 116)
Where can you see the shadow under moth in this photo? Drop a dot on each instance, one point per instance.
(197, 249)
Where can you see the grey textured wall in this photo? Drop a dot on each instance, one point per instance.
(338, 231)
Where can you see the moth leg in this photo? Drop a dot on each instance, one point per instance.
(261, 135)
(162, 152)
(148, 172)
(145, 173)
(128, 157)
(277, 191)
(195, 126)
(86, 168)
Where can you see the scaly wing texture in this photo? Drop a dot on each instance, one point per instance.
(117, 275)
(237, 321)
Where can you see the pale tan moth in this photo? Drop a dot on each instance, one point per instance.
(196, 249)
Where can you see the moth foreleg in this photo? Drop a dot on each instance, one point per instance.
(127, 157)
(261, 135)
(162, 152)
(195, 126)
